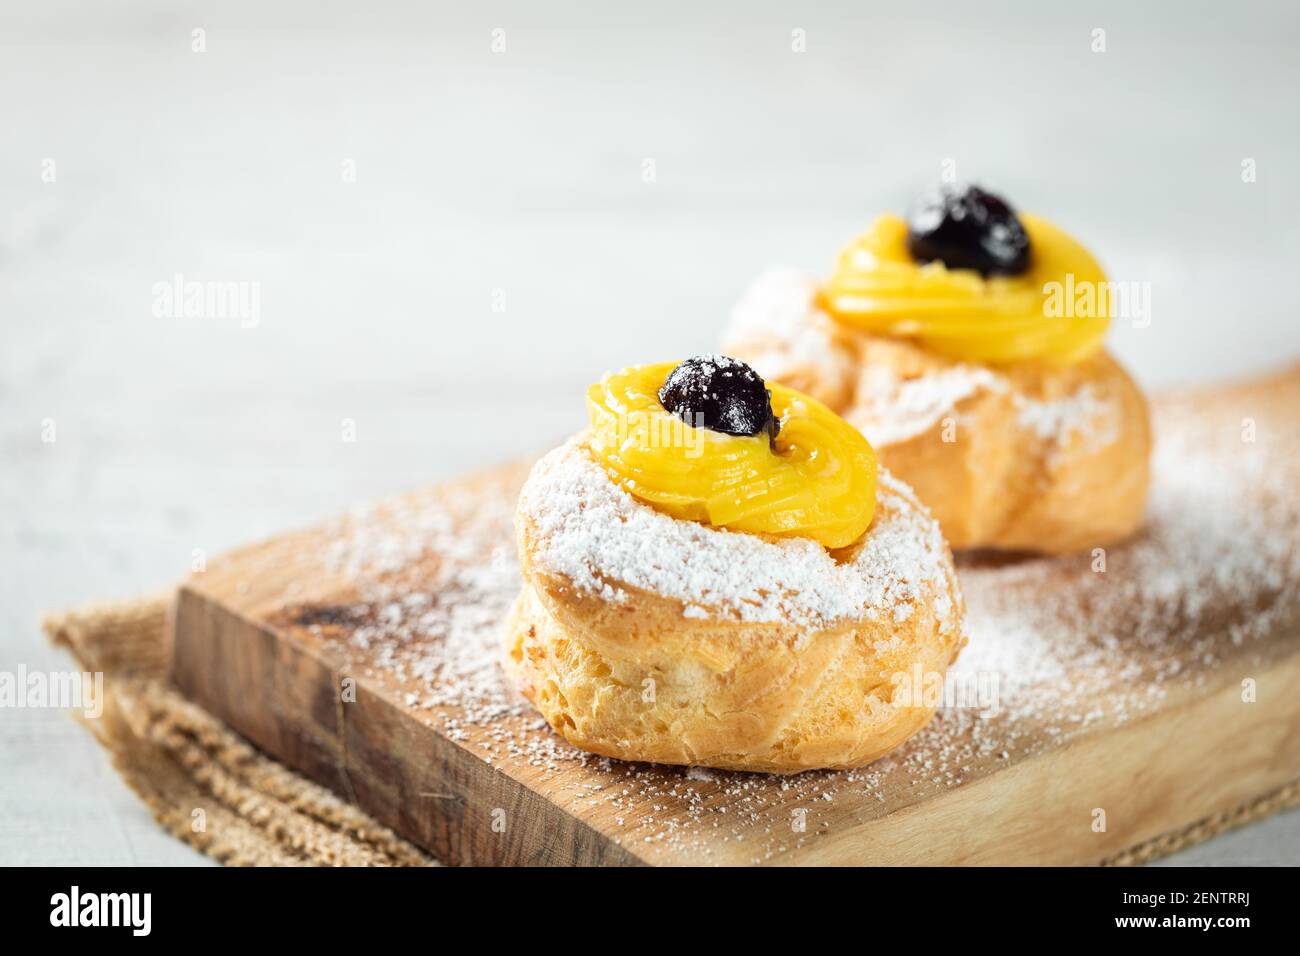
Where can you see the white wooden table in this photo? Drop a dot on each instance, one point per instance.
(520, 178)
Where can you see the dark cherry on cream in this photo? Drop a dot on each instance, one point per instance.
(965, 227)
(721, 394)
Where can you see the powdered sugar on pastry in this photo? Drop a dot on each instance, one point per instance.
(1082, 412)
(778, 327)
(890, 408)
(601, 539)
(776, 305)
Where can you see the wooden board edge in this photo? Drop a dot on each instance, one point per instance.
(253, 678)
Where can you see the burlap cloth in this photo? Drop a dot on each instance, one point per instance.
(255, 811)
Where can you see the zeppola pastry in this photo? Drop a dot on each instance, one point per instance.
(966, 344)
(718, 574)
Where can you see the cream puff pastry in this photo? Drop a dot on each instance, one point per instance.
(1008, 419)
(651, 628)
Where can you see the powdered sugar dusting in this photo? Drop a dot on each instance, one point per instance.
(778, 326)
(891, 409)
(600, 538)
(1083, 412)
(776, 305)
(1215, 571)
(435, 584)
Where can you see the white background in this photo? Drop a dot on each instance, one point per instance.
(523, 171)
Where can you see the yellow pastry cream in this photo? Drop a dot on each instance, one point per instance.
(722, 455)
(963, 301)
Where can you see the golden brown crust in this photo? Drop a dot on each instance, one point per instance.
(1026, 457)
(1050, 459)
(641, 678)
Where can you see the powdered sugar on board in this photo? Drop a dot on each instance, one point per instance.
(1197, 598)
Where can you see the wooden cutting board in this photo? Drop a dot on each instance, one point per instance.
(1104, 699)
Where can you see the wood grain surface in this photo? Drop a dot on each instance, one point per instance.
(1134, 700)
